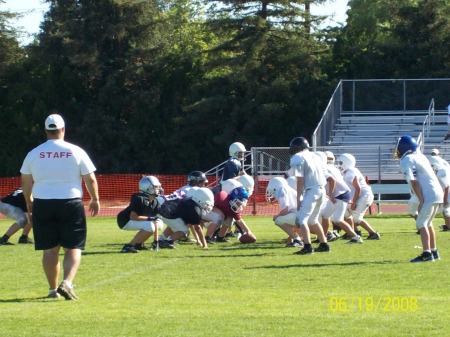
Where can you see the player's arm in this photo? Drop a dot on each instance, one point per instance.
(300, 184)
(27, 187)
(92, 187)
(357, 187)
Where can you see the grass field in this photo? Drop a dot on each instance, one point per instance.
(232, 289)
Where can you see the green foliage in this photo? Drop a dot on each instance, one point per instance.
(166, 86)
(395, 39)
(259, 289)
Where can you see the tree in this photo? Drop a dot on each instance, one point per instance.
(263, 83)
(395, 39)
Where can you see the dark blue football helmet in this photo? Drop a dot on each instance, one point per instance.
(297, 145)
(405, 144)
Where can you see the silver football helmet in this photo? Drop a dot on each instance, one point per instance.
(346, 161)
(237, 150)
(204, 198)
(330, 157)
(229, 185)
(272, 187)
(150, 185)
(248, 182)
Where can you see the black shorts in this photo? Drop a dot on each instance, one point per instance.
(59, 222)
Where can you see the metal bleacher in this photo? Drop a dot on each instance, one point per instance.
(360, 122)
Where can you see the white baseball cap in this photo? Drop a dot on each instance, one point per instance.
(434, 152)
(54, 122)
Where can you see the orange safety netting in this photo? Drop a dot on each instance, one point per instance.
(116, 189)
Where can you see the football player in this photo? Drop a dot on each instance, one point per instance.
(423, 181)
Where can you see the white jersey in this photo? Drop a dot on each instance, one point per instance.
(340, 184)
(415, 166)
(309, 166)
(286, 197)
(57, 167)
(349, 177)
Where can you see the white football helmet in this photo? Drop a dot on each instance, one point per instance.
(330, 157)
(346, 161)
(229, 185)
(272, 187)
(237, 150)
(203, 197)
(248, 182)
(189, 192)
(150, 185)
(292, 182)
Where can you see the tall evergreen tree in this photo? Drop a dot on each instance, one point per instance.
(263, 83)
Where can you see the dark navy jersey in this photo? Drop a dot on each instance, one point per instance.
(185, 209)
(16, 199)
(231, 169)
(140, 204)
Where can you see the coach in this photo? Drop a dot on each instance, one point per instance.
(51, 183)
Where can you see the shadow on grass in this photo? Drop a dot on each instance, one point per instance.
(315, 265)
(31, 299)
(212, 256)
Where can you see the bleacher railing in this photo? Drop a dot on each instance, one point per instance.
(381, 95)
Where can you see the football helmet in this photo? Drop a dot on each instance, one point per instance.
(297, 145)
(330, 157)
(272, 187)
(150, 185)
(237, 150)
(238, 199)
(346, 161)
(189, 192)
(405, 145)
(248, 182)
(229, 185)
(197, 178)
(203, 197)
(435, 163)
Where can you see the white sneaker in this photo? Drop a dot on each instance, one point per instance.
(356, 239)
(53, 294)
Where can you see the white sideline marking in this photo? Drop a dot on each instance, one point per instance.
(126, 274)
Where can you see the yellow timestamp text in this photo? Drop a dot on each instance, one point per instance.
(374, 304)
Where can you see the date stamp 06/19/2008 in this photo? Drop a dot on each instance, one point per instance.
(374, 304)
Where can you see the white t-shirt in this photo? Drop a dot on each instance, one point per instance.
(57, 167)
(340, 186)
(350, 175)
(287, 197)
(309, 166)
(415, 166)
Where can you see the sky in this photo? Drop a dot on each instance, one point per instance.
(32, 12)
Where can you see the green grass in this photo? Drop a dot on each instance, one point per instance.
(260, 289)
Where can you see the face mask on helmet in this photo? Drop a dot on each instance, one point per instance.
(330, 157)
(298, 144)
(405, 145)
(345, 161)
(197, 178)
(238, 199)
(150, 185)
(273, 186)
(237, 150)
